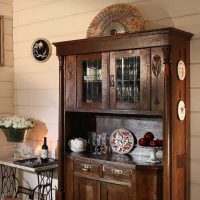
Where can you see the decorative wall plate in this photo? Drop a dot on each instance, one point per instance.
(117, 18)
(41, 50)
(121, 141)
(181, 71)
(181, 110)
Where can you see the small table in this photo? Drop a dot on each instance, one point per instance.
(10, 183)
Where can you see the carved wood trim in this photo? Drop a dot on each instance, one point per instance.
(69, 71)
(156, 65)
(61, 129)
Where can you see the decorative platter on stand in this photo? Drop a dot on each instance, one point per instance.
(115, 19)
(122, 141)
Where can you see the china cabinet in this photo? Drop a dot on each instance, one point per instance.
(138, 82)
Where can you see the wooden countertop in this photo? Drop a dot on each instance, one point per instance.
(126, 160)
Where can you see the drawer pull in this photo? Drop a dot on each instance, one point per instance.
(117, 171)
(86, 167)
(86, 170)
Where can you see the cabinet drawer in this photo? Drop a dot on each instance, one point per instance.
(117, 173)
(87, 168)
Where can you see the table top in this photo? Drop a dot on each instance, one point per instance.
(8, 161)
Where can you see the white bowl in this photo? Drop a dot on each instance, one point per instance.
(77, 144)
(77, 149)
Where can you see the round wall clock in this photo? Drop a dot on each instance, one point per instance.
(181, 70)
(41, 50)
(181, 110)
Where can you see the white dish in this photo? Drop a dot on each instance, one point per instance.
(77, 149)
(77, 144)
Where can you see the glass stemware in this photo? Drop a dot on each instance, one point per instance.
(94, 142)
(99, 143)
(16, 150)
(103, 142)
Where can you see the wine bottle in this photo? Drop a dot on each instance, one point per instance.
(44, 151)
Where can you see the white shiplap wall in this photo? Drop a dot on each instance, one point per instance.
(6, 72)
(36, 84)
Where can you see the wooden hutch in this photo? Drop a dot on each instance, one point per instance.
(139, 86)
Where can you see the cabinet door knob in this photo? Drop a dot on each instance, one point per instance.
(112, 80)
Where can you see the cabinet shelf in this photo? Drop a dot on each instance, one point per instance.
(113, 158)
(158, 114)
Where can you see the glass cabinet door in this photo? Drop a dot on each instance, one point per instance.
(91, 80)
(129, 79)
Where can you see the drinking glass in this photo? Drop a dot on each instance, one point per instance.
(16, 151)
(89, 141)
(99, 143)
(94, 142)
(103, 142)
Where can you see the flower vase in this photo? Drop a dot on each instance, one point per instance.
(14, 135)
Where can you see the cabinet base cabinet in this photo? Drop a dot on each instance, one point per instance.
(115, 192)
(149, 184)
(86, 189)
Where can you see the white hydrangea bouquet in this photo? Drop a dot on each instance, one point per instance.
(15, 127)
(16, 122)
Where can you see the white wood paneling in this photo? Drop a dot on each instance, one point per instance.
(194, 76)
(47, 115)
(195, 117)
(195, 148)
(5, 9)
(23, 65)
(195, 46)
(195, 191)
(8, 42)
(46, 80)
(6, 89)
(47, 98)
(195, 99)
(6, 105)
(8, 58)
(6, 74)
(54, 27)
(187, 23)
(154, 10)
(19, 5)
(195, 175)
(61, 9)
